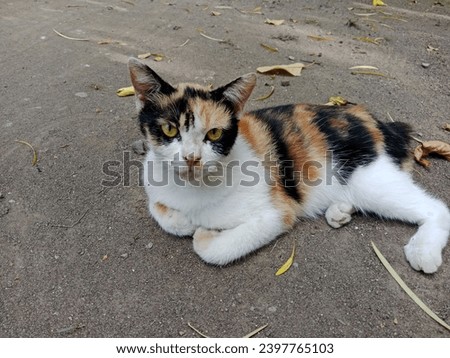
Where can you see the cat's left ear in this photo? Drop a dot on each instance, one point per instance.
(237, 92)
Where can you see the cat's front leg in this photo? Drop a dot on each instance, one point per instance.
(222, 247)
(171, 220)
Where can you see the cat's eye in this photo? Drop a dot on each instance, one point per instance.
(169, 130)
(214, 134)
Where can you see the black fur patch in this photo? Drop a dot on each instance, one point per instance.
(353, 147)
(226, 142)
(274, 119)
(396, 140)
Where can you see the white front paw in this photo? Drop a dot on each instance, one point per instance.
(423, 255)
(339, 214)
(205, 247)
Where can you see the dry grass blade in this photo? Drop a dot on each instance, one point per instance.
(408, 291)
(197, 331)
(35, 156)
(211, 38)
(262, 98)
(371, 40)
(287, 265)
(320, 38)
(125, 91)
(364, 67)
(257, 330)
(269, 48)
(68, 37)
(370, 73)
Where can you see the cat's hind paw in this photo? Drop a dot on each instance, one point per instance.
(423, 256)
(339, 214)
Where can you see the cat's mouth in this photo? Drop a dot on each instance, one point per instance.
(190, 173)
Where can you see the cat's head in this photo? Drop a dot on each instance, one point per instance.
(188, 122)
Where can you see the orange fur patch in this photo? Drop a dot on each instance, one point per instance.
(161, 208)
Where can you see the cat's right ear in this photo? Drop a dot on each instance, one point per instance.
(147, 84)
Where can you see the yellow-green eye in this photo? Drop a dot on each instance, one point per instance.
(214, 134)
(169, 130)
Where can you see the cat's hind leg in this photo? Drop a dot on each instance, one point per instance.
(382, 188)
(339, 214)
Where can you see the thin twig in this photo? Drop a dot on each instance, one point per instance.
(68, 37)
(211, 38)
(197, 331)
(257, 330)
(75, 223)
(184, 43)
(392, 119)
(417, 139)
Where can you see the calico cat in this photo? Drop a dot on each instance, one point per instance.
(235, 181)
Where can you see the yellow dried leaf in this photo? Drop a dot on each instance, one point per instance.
(431, 147)
(293, 69)
(320, 38)
(287, 265)
(274, 22)
(35, 157)
(371, 40)
(262, 98)
(378, 3)
(336, 101)
(408, 291)
(125, 91)
(158, 57)
(269, 48)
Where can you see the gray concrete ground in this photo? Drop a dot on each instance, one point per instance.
(81, 260)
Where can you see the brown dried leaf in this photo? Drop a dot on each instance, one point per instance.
(294, 69)
(431, 147)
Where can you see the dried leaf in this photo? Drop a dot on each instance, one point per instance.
(408, 291)
(432, 49)
(269, 48)
(144, 55)
(294, 69)
(431, 147)
(256, 11)
(378, 3)
(215, 13)
(35, 157)
(371, 40)
(446, 127)
(125, 91)
(262, 98)
(363, 67)
(287, 265)
(223, 7)
(320, 38)
(274, 22)
(158, 57)
(336, 101)
(68, 37)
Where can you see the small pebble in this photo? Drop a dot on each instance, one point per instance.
(149, 245)
(81, 94)
(425, 64)
(1, 196)
(291, 58)
(124, 256)
(182, 333)
(139, 147)
(272, 309)
(285, 83)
